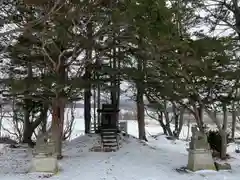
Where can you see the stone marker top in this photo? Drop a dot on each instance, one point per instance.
(198, 140)
(44, 145)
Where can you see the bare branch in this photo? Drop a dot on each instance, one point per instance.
(11, 133)
(49, 57)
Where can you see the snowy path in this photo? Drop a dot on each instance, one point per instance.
(134, 161)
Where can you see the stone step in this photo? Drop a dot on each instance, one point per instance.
(110, 149)
(110, 145)
(109, 140)
(109, 134)
(109, 129)
(109, 137)
(103, 131)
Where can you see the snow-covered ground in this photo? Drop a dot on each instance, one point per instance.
(158, 159)
(134, 161)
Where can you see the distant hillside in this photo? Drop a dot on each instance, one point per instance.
(127, 105)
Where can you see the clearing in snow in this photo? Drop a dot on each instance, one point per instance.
(135, 160)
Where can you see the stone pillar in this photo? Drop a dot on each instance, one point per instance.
(44, 164)
(200, 159)
(199, 156)
(44, 156)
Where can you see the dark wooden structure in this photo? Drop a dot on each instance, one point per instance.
(108, 127)
(108, 116)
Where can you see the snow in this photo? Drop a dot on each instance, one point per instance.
(134, 161)
(157, 159)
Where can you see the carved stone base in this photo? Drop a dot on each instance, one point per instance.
(200, 160)
(41, 163)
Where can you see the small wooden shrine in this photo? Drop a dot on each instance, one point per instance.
(109, 127)
(108, 115)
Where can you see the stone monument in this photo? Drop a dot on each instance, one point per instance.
(200, 156)
(44, 156)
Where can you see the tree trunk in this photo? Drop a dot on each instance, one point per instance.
(181, 122)
(57, 126)
(27, 136)
(27, 133)
(115, 84)
(176, 119)
(87, 109)
(61, 128)
(168, 126)
(98, 102)
(188, 131)
(167, 119)
(140, 114)
(223, 134)
(44, 120)
(140, 102)
(223, 153)
(118, 83)
(88, 75)
(27, 126)
(94, 106)
(58, 106)
(1, 119)
(198, 114)
(234, 120)
(160, 120)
